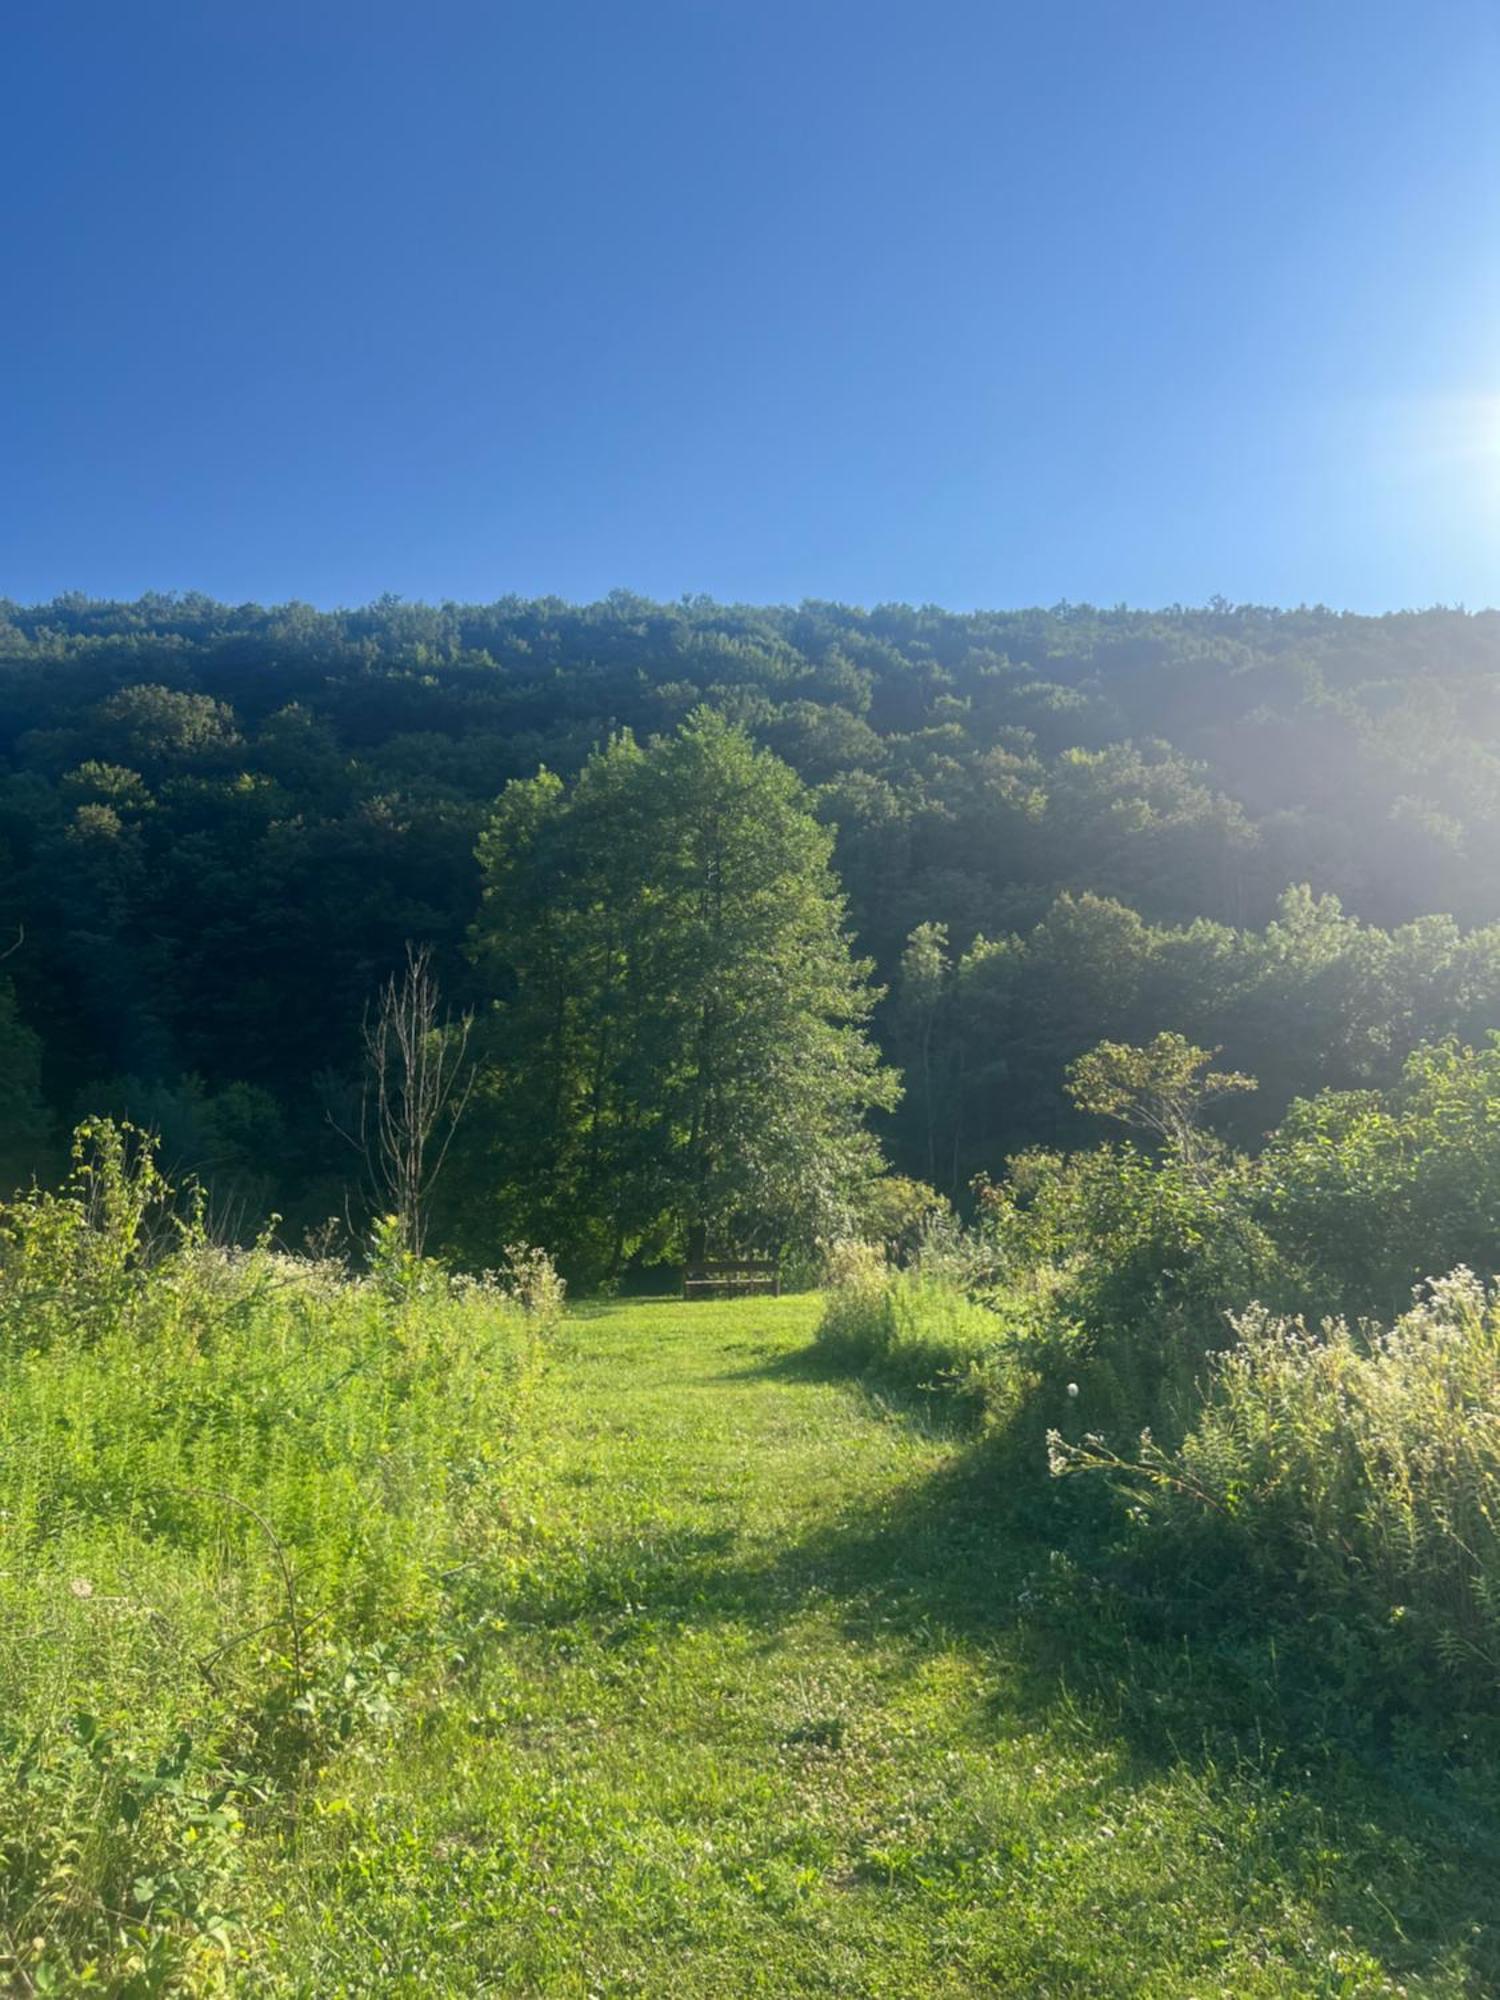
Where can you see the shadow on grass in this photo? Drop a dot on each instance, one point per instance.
(1403, 1854)
(918, 1388)
(971, 1557)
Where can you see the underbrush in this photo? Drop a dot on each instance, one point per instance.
(241, 1497)
(1338, 1485)
(1347, 1479)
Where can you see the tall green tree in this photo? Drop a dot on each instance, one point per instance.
(677, 1057)
(924, 1034)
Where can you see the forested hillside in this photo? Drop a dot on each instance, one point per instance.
(219, 827)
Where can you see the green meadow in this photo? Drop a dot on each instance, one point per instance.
(769, 1701)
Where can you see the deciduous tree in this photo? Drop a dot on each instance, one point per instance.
(677, 1056)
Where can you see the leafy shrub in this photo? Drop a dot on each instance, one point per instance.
(1367, 1191)
(1133, 1242)
(239, 1496)
(899, 1212)
(1349, 1477)
(1352, 1201)
(1126, 1268)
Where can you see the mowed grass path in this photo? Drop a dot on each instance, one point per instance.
(757, 1707)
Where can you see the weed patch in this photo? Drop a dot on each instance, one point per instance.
(240, 1496)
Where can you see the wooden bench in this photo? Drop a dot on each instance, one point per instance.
(725, 1276)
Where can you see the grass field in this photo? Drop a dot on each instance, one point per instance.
(759, 1703)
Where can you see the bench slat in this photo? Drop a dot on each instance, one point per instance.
(731, 1274)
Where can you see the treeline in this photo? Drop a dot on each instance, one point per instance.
(220, 826)
(1316, 999)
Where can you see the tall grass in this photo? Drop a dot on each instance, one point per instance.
(240, 1497)
(1347, 1478)
(918, 1324)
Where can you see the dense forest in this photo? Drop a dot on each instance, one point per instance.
(1274, 832)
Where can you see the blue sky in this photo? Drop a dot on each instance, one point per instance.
(980, 304)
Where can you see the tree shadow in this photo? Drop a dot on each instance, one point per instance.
(975, 1556)
(965, 1558)
(919, 1392)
